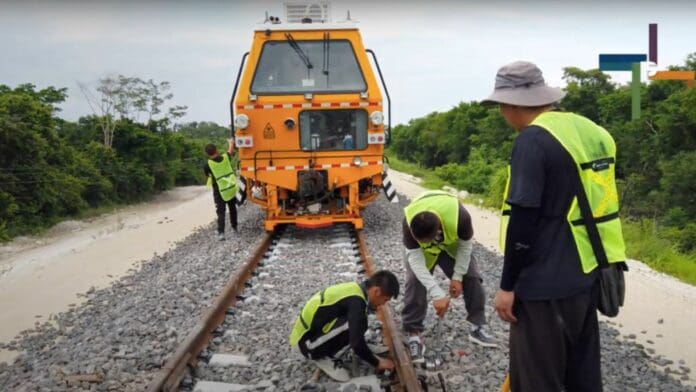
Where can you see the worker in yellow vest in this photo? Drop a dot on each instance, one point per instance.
(437, 231)
(223, 178)
(560, 223)
(335, 318)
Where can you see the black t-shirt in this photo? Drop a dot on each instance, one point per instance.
(354, 310)
(543, 179)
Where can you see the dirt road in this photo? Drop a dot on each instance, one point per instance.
(43, 276)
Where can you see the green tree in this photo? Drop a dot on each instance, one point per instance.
(51, 168)
(584, 88)
(35, 186)
(678, 182)
(205, 130)
(128, 97)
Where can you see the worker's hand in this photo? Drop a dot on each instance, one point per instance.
(441, 306)
(385, 364)
(503, 305)
(455, 289)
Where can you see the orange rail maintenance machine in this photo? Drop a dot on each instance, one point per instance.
(308, 122)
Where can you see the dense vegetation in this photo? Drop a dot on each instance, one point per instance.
(51, 169)
(468, 147)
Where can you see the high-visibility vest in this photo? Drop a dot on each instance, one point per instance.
(224, 176)
(594, 152)
(446, 207)
(327, 297)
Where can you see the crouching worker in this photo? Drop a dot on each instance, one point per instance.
(437, 231)
(336, 317)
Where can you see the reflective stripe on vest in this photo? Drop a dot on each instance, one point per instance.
(446, 207)
(594, 152)
(504, 214)
(224, 177)
(327, 297)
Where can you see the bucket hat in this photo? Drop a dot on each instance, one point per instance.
(522, 84)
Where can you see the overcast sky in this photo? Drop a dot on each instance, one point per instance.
(433, 54)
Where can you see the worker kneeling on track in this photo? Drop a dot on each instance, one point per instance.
(336, 317)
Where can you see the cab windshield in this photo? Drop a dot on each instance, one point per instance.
(298, 67)
(333, 130)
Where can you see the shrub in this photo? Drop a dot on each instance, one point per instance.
(496, 188)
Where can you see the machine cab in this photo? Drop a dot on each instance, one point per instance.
(308, 123)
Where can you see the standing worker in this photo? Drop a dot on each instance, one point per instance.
(437, 230)
(221, 174)
(562, 165)
(336, 318)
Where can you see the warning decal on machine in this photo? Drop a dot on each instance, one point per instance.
(268, 132)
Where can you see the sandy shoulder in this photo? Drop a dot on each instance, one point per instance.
(659, 311)
(43, 276)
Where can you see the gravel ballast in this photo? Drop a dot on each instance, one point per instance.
(120, 336)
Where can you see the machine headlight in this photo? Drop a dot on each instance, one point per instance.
(377, 117)
(241, 121)
(357, 161)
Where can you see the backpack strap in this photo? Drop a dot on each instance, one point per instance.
(590, 225)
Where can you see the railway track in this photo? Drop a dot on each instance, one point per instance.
(240, 343)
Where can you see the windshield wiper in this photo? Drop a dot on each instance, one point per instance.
(299, 51)
(326, 44)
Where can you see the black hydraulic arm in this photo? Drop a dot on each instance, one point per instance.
(234, 93)
(384, 86)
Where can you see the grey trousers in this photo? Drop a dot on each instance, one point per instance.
(416, 296)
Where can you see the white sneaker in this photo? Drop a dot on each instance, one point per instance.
(417, 349)
(333, 368)
(378, 348)
(221, 236)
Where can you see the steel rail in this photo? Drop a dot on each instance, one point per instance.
(404, 367)
(170, 375)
